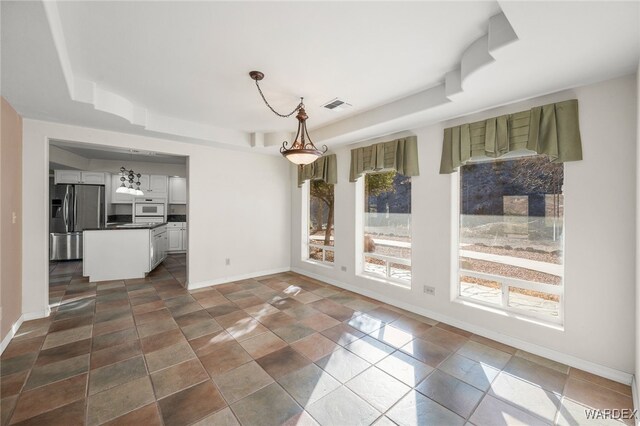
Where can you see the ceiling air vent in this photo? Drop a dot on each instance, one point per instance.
(337, 105)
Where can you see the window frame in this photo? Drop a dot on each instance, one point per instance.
(306, 245)
(359, 246)
(505, 282)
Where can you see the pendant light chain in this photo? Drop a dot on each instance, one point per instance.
(302, 150)
(300, 105)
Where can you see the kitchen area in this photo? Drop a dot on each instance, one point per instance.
(120, 213)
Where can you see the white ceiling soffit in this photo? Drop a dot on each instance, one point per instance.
(99, 152)
(180, 70)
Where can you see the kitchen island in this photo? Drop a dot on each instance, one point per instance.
(123, 251)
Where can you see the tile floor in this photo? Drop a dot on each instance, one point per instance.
(281, 349)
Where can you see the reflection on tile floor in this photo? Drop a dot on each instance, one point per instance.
(281, 349)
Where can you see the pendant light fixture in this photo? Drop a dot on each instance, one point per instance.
(132, 178)
(302, 150)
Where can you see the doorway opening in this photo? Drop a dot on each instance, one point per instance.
(84, 199)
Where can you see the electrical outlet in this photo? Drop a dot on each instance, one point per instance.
(343, 268)
(227, 261)
(431, 291)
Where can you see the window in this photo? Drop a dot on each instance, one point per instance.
(321, 228)
(511, 235)
(387, 226)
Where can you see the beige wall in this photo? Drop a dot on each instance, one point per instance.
(11, 217)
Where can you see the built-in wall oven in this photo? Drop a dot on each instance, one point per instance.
(149, 210)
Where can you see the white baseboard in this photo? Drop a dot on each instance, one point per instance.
(37, 314)
(570, 360)
(12, 332)
(225, 280)
(14, 328)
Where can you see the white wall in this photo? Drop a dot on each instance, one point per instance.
(637, 366)
(600, 222)
(238, 207)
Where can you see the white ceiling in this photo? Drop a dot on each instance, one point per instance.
(191, 60)
(179, 70)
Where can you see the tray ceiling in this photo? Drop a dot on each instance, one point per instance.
(179, 69)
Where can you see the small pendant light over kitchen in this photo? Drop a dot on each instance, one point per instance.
(302, 150)
(131, 177)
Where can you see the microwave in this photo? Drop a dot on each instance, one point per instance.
(149, 209)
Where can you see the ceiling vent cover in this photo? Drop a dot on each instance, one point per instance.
(337, 104)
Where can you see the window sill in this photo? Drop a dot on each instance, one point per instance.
(404, 285)
(507, 313)
(320, 264)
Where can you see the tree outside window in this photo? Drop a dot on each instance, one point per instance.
(321, 221)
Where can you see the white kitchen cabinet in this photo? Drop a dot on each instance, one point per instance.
(164, 246)
(177, 190)
(67, 176)
(144, 183)
(117, 197)
(93, 178)
(158, 244)
(158, 184)
(175, 239)
(123, 253)
(76, 176)
(177, 236)
(154, 186)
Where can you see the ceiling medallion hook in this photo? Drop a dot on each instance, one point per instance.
(302, 150)
(256, 75)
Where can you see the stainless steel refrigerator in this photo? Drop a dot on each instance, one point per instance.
(73, 208)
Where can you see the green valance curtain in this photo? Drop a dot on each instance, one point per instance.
(549, 129)
(400, 155)
(324, 168)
